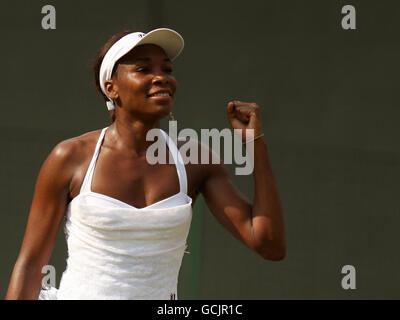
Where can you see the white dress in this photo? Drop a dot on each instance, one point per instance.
(117, 251)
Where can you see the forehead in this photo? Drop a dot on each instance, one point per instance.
(151, 51)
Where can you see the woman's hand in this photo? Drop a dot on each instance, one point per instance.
(245, 115)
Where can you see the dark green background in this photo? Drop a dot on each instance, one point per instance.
(330, 109)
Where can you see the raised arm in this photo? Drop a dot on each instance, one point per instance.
(259, 225)
(47, 210)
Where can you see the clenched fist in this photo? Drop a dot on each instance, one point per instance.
(245, 115)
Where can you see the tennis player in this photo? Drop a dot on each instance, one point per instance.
(126, 220)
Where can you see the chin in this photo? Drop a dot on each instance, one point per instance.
(167, 107)
(162, 110)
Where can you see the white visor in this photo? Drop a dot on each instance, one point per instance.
(169, 40)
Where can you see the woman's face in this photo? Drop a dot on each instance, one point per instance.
(144, 82)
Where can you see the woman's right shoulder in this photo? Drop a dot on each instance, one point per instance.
(75, 149)
(66, 159)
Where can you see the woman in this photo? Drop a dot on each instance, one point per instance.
(127, 220)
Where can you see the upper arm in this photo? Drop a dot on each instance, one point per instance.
(49, 204)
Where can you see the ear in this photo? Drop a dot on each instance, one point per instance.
(111, 89)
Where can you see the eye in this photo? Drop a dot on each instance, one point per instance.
(168, 70)
(143, 70)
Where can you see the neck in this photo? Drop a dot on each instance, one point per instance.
(131, 135)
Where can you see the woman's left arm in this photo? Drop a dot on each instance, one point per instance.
(260, 225)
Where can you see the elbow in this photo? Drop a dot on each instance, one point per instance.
(278, 256)
(273, 253)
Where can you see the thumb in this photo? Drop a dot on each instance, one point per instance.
(231, 109)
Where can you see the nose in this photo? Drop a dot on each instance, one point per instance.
(160, 78)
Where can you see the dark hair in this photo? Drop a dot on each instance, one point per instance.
(99, 59)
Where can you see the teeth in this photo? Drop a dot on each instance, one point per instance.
(162, 94)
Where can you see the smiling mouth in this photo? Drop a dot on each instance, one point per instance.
(161, 94)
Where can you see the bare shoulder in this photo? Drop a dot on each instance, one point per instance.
(76, 147)
(69, 157)
(59, 169)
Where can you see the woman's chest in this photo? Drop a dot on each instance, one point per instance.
(137, 182)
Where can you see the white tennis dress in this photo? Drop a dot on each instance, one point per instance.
(117, 251)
